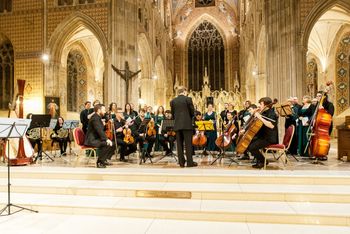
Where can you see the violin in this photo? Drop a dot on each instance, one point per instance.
(151, 131)
(109, 129)
(128, 138)
(171, 133)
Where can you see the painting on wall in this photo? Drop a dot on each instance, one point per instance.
(52, 106)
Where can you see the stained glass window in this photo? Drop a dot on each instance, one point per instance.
(206, 49)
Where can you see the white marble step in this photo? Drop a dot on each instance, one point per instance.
(207, 210)
(59, 223)
(217, 191)
(186, 175)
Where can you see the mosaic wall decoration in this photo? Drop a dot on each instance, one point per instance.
(311, 77)
(342, 74)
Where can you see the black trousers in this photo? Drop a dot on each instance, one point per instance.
(184, 137)
(125, 149)
(150, 140)
(38, 142)
(255, 146)
(105, 152)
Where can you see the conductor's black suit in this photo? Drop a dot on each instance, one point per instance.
(182, 110)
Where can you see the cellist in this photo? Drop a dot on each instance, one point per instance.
(267, 135)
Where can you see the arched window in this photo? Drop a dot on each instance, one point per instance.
(76, 80)
(206, 50)
(5, 6)
(6, 74)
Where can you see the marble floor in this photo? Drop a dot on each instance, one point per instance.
(31, 223)
(204, 162)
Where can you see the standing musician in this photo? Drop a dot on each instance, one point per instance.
(113, 109)
(167, 136)
(182, 110)
(158, 119)
(212, 134)
(33, 135)
(244, 114)
(84, 116)
(126, 147)
(141, 133)
(223, 114)
(327, 105)
(267, 134)
(61, 135)
(96, 136)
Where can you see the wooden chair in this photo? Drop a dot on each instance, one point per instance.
(79, 138)
(279, 151)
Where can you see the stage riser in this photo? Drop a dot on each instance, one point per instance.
(197, 216)
(259, 179)
(197, 195)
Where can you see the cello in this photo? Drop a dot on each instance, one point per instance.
(224, 141)
(251, 128)
(319, 138)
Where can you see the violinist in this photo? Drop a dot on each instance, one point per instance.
(141, 133)
(167, 136)
(267, 135)
(96, 136)
(125, 148)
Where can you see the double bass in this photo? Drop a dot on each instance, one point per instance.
(319, 138)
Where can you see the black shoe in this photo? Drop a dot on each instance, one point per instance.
(100, 165)
(205, 152)
(194, 164)
(325, 158)
(108, 163)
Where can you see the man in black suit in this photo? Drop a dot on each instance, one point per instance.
(84, 116)
(182, 110)
(96, 136)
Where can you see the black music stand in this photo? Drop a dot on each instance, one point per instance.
(144, 153)
(12, 128)
(168, 125)
(41, 121)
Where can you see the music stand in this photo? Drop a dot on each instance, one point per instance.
(41, 121)
(284, 110)
(144, 153)
(168, 125)
(12, 128)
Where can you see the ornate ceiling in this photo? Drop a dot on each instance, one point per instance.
(179, 4)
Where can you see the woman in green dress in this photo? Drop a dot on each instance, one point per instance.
(304, 117)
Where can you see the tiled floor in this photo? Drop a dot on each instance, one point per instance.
(31, 223)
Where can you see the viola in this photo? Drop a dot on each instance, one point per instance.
(151, 130)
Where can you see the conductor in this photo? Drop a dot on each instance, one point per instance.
(182, 110)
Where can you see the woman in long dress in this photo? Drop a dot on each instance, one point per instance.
(211, 135)
(304, 117)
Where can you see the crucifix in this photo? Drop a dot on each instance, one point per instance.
(126, 75)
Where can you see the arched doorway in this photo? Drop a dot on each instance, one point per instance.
(327, 54)
(161, 82)
(145, 63)
(206, 50)
(77, 60)
(6, 72)
(260, 73)
(250, 78)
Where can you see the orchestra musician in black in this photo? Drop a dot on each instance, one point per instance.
(96, 136)
(167, 136)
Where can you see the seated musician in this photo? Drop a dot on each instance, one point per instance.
(60, 135)
(251, 110)
(96, 136)
(167, 136)
(267, 135)
(197, 117)
(126, 148)
(141, 133)
(33, 135)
